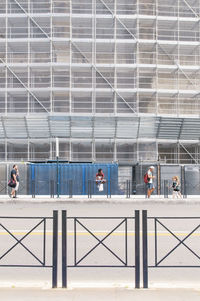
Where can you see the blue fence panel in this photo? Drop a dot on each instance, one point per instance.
(72, 178)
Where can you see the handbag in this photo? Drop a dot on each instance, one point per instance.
(11, 183)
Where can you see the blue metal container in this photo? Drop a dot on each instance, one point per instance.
(72, 178)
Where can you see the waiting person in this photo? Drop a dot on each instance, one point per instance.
(13, 176)
(150, 186)
(176, 187)
(100, 179)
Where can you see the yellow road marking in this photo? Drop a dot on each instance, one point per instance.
(100, 233)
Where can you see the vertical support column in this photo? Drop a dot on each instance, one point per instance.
(70, 60)
(115, 96)
(156, 62)
(93, 141)
(137, 61)
(115, 142)
(94, 75)
(6, 72)
(64, 249)
(93, 70)
(145, 248)
(51, 60)
(178, 54)
(55, 250)
(29, 62)
(70, 79)
(137, 249)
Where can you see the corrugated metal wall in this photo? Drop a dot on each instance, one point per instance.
(74, 175)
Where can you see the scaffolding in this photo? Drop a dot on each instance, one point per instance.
(115, 80)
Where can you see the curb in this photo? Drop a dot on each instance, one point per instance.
(62, 200)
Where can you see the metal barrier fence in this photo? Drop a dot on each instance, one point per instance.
(91, 188)
(78, 263)
(158, 263)
(41, 263)
(129, 258)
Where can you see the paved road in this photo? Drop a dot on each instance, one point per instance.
(102, 276)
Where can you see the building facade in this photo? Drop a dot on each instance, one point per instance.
(114, 80)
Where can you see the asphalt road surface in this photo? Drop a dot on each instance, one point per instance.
(180, 252)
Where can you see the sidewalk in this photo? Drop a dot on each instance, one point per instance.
(118, 199)
(108, 294)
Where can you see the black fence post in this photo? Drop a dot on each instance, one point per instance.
(64, 248)
(55, 249)
(184, 184)
(145, 190)
(145, 248)
(70, 188)
(33, 188)
(108, 188)
(159, 179)
(89, 188)
(52, 188)
(107, 183)
(185, 190)
(126, 188)
(166, 188)
(137, 249)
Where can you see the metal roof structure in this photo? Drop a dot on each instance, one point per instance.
(100, 127)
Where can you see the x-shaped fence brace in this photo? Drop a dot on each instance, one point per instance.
(181, 242)
(100, 242)
(19, 241)
(192, 185)
(3, 186)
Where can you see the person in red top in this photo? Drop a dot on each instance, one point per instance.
(100, 177)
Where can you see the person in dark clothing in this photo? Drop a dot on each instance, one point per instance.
(13, 176)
